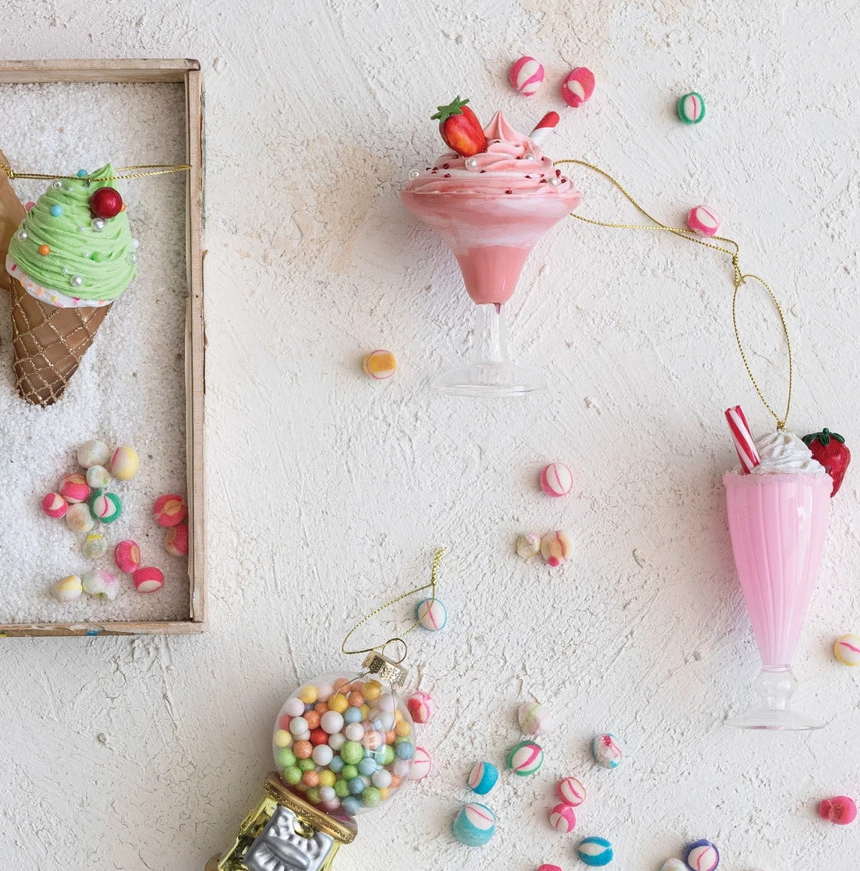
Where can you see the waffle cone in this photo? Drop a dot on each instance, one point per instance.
(49, 344)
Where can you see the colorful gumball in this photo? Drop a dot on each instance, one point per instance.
(74, 489)
(106, 507)
(93, 453)
(846, 649)
(126, 555)
(431, 614)
(578, 87)
(563, 818)
(534, 718)
(483, 777)
(570, 791)
(691, 108)
(595, 852)
(169, 510)
(94, 546)
(528, 545)
(421, 707)
(702, 856)
(380, 364)
(125, 463)
(421, 764)
(106, 203)
(98, 477)
(474, 825)
(100, 584)
(54, 505)
(526, 75)
(79, 518)
(525, 758)
(148, 579)
(607, 752)
(67, 589)
(841, 810)
(176, 540)
(703, 220)
(556, 547)
(556, 480)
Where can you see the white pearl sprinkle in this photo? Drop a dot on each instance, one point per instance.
(135, 243)
(472, 163)
(56, 185)
(555, 182)
(77, 280)
(413, 173)
(98, 224)
(22, 235)
(529, 156)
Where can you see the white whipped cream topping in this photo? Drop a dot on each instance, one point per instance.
(782, 452)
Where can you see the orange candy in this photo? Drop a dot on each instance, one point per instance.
(390, 737)
(395, 781)
(313, 719)
(356, 699)
(311, 778)
(44, 250)
(321, 708)
(303, 749)
(340, 683)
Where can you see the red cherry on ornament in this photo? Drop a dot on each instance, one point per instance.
(106, 203)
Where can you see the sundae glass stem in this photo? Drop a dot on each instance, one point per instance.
(491, 337)
(775, 686)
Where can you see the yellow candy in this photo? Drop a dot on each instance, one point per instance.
(338, 703)
(365, 711)
(398, 715)
(308, 694)
(283, 738)
(327, 778)
(372, 690)
(125, 463)
(403, 729)
(380, 364)
(384, 793)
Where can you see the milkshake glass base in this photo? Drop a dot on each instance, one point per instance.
(775, 686)
(490, 373)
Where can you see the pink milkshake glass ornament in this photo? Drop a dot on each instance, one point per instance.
(491, 209)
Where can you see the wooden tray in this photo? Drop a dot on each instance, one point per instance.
(186, 72)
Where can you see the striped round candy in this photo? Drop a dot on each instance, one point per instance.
(578, 87)
(673, 865)
(483, 777)
(702, 856)
(474, 825)
(421, 764)
(595, 852)
(431, 614)
(549, 868)
(556, 480)
(534, 718)
(847, 649)
(54, 505)
(691, 108)
(380, 364)
(421, 707)
(526, 758)
(607, 752)
(526, 75)
(571, 791)
(563, 818)
(703, 220)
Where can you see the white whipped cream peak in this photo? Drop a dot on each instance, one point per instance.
(783, 453)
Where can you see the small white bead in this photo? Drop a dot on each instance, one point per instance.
(98, 224)
(413, 173)
(77, 280)
(471, 163)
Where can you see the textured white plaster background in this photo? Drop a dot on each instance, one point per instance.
(327, 493)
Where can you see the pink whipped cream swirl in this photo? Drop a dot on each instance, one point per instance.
(512, 164)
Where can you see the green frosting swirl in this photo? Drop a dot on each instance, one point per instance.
(103, 259)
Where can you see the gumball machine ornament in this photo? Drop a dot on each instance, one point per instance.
(343, 745)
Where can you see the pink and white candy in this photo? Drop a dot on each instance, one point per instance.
(563, 818)
(578, 87)
(421, 764)
(703, 220)
(742, 437)
(544, 127)
(526, 75)
(421, 707)
(54, 505)
(556, 480)
(570, 791)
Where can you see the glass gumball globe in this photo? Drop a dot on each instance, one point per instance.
(344, 743)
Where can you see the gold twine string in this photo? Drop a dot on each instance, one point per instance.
(156, 169)
(397, 639)
(740, 278)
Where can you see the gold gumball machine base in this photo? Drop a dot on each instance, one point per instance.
(285, 833)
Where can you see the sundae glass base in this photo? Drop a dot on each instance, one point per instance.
(490, 373)
(775, 685)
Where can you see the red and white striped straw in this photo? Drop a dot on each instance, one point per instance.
(742, 437)
(544, 127)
